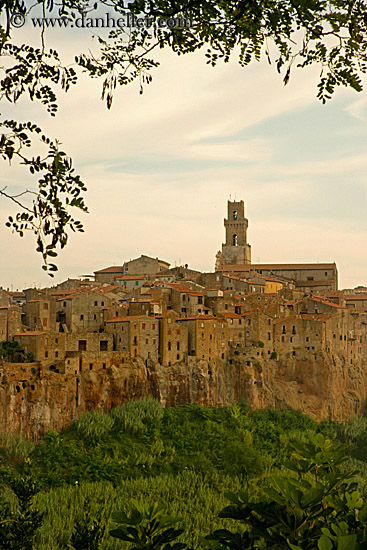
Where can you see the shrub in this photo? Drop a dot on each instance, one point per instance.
(134, 416)
(94, 425)
(16, 445)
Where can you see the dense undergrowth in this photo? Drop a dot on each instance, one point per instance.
(184, 457)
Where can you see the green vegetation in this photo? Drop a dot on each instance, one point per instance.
(112, 472)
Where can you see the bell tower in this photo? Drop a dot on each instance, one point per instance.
(235, 250)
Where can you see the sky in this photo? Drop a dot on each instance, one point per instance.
(161, 166)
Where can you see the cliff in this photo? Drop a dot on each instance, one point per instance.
(33, 401)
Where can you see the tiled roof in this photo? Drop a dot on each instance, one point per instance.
(284, 267)
(112, 269)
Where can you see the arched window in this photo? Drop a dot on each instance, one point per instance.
(234, 240)
(235, 214)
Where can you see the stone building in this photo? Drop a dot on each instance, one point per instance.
(135, 335)
(236, 249)
(84, 311)
(108, 274)
(145, 265)
(40, 313)
(10, 322)
(207, 336)
(309, 278)
(173, 340)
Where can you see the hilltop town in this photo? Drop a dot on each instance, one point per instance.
(145, 315)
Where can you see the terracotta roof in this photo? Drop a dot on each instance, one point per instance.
(229, 315)
(349, 297)
(326, 302)
(112, 269)
(306, 317)
(283, 267)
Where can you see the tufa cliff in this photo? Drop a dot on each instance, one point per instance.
(33, 401)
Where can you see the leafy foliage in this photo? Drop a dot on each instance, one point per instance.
(59, 189)
(18, 527)
(9, 348)
(147, 528)
(318, 507)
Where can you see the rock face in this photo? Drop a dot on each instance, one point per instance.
(34, 402)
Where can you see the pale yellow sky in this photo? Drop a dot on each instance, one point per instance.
(161, 166)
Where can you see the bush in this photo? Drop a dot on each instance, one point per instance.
(134, 416)
(94, 425)
(16, 445)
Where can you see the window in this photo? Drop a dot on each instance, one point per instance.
(247, 334)
(46, 341)
(293, 329)
(103, 345)
(178, 346)
(96, 303)
(309, 278)
(234, 214)
(154, 341)
(146, 340)
(56, 340)
(153, 326)
(325, 273)
(234, 240)
(103, 365)
(202, 336)
(291, 339)
(94, 316)
(269, 336)
(282, 338)
(46, 354)
(202, 325)
(136, 283)
(169, 346)
(45, 306)
(64, 304)
(90, 366)
(239, 335)
(81, 317)
(135, 341)
(44, 322)
(143, 326)
(56, 354)
(82, 345)
(307, 339)
(102, 303)
(178, 357)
